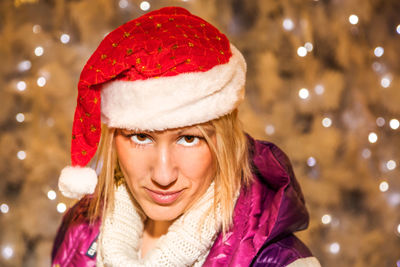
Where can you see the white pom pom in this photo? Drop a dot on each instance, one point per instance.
(75, 182)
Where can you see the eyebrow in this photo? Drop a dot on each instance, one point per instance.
(182, 131)
(208, 129)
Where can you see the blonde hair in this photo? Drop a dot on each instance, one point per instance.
(232, 167)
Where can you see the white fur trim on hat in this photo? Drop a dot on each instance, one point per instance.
(75, 182)
(176, 101)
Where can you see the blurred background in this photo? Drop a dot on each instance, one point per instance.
(323, 84)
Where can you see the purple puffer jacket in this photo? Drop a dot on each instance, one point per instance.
(265, 217)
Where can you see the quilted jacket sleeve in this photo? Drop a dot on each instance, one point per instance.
(75, 243)
(288, 251)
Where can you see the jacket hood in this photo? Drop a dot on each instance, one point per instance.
(280, 191)
(271, 207)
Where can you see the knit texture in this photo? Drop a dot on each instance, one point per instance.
(186, 243)
(305, 262)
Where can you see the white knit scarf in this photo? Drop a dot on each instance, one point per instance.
(186, 243)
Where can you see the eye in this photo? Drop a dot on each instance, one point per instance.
(141, 139)
(188, 140)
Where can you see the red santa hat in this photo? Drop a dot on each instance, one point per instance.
(163, 70)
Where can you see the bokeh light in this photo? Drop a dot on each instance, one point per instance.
(394, 124)
(21, 155)
(301, 51)
(20, 117)
(288, 24)
(377, 67)
(41, 81)
(61, 207)
(36, 29)
(309, 46)
(4, 208)
(393, 199)
(372, 137)
(326, 122)
(378, 51)
(144, 5)
(21, 86)
(24, 65)
(304, 93)
(51, 194)
(334, 248)
(65, 38)
(385, 82)
(380, 121)
(391, 165)
(7, 252)
(326, 219)
(366, 153)
(384, 186)
(270, 129)
(39, 51)
(353, 19)
(123, 3)
(311, 161)
(319, 89)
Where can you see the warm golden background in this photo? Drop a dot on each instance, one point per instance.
(323, 84)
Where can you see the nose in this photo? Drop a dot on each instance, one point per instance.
(165, 171)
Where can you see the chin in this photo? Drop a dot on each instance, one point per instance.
(162, 213)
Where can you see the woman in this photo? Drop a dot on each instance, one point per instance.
(180, 183)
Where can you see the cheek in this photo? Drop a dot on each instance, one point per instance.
(197, 165)
(132, 161)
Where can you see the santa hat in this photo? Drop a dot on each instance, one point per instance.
(163, 70)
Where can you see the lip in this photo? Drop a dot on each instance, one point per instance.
(163, 198)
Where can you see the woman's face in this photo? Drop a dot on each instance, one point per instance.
(166, 171)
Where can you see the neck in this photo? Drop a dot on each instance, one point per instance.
(153, 230)
(156, 229)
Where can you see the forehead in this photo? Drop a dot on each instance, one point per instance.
(207, 127)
